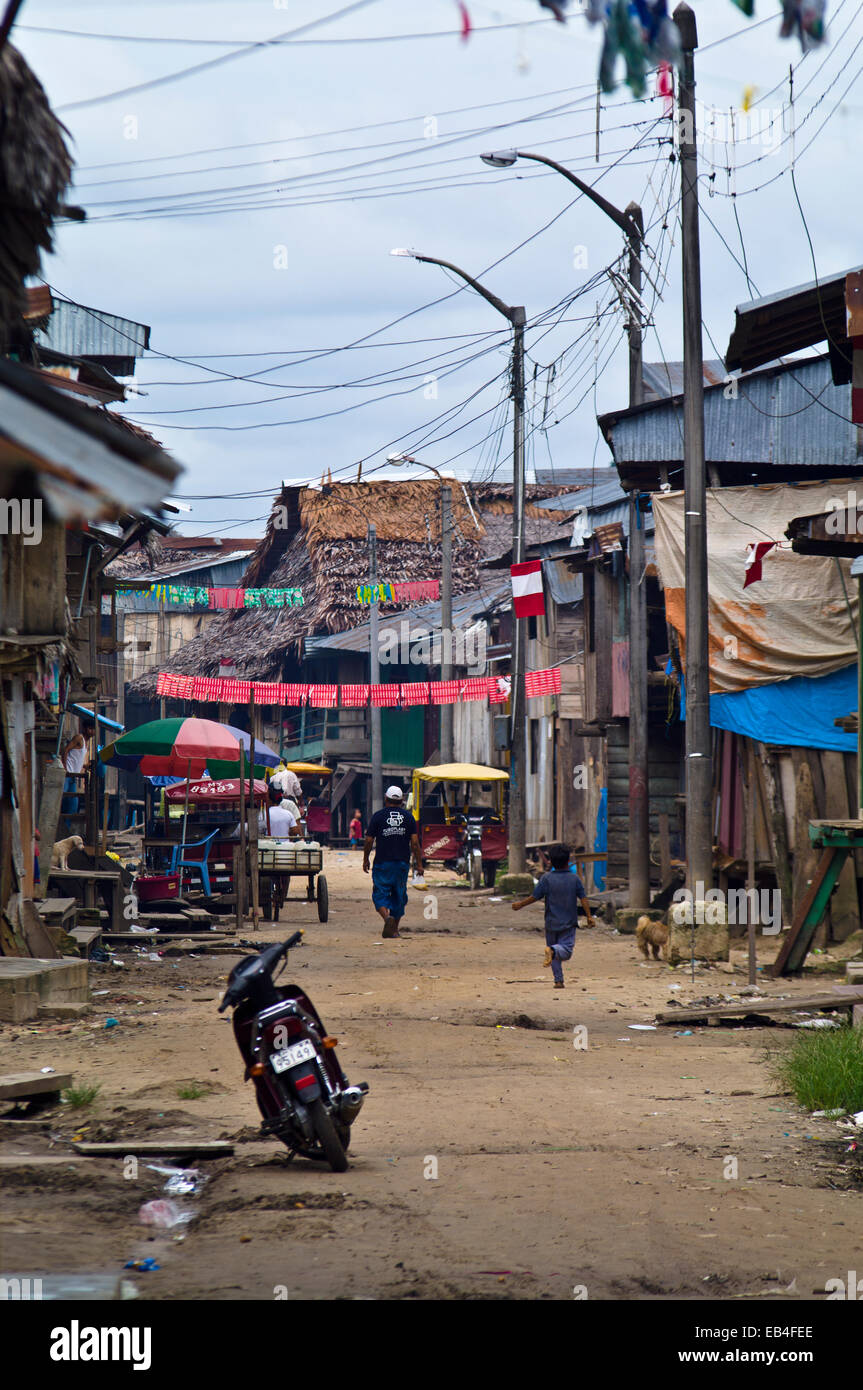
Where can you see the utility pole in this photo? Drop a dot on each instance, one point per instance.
(518, 704)
(446, 711)
(639, 806)
(631, 223)
(699, 769)
(515, 315)
(375, 676)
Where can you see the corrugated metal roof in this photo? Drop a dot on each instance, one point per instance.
(466, 609)
(789, 321)
(563, 585)
(792, 416)
(666, 378)
(79, 331)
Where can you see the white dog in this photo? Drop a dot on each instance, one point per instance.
(62, 850)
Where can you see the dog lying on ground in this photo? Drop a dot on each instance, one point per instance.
(651, 935)
(62, 850)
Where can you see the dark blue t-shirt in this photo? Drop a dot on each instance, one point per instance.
(391, 830)
(561, 892)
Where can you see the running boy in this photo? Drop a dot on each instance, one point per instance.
(562, 892)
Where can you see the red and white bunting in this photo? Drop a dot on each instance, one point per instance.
(538, 683)
(384, 696)
(415, 693)
(323, 696)
(354, 696)
(528, 600)
(499, 689)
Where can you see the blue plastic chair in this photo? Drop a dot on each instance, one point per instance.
(199, 862)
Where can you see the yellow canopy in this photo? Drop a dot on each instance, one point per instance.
(460, 772)
(309, 769)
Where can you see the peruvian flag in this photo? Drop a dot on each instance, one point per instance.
(527, 596)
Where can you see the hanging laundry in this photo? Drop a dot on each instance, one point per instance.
(227, 598)
(268, 693)
(296, 695)
(354, 696)
(411, 590)
(322, 697)
(557, 7)
(805, 18)
(444, 692)
(415, 693)
(538, 683)
(499, 689)
(642, 33)
(384, 696)
(466, 25)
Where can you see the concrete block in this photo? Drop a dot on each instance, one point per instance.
(857, 1016)
(26, 982)
(519, 885)
(63, 1010)
(854, 972)
(626, 918)
(711, 932)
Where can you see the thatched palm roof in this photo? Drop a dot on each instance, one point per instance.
(316, 541)
(35, 168)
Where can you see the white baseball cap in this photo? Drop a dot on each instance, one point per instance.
(394, 794)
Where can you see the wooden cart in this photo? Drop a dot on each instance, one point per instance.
(279, 862)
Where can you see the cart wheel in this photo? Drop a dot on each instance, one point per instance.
(323, 899)
(310, 889)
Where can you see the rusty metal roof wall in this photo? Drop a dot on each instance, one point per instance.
(790, 417)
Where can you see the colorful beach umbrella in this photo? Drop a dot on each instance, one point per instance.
(187, 748)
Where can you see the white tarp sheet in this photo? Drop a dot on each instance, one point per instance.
(795, 621)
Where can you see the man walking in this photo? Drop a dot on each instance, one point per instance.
(393, 832)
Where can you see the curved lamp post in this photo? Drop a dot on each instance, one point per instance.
(515, 315)
(631, 223)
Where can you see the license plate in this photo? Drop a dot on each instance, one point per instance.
(291, 1056)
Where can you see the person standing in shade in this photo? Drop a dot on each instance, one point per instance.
(561, 892)
(393, 832)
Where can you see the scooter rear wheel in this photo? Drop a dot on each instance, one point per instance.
(325, 1133)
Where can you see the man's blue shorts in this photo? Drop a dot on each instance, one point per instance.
(390, 886)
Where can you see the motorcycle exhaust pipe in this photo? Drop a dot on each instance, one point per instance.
(350, 1104)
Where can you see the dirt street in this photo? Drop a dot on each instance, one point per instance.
(493, 1158)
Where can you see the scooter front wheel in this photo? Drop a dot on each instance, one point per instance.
(325, 1133)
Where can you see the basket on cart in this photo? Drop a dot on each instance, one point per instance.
(278, 862)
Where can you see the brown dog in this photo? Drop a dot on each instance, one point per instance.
(651, 935)
(62, 849)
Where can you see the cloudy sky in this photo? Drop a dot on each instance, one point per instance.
(246, 213)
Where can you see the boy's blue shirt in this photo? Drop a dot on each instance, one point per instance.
(561, 891)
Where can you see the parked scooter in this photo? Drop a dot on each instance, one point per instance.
(302, 1092)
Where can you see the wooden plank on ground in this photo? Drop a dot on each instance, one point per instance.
(21, 1084)
(175, 1148)
(840, 997)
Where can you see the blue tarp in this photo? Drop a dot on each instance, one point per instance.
(798, 712)
(601, 841)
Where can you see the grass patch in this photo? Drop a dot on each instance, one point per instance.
(79, 1096)
(192, 1090)
(824, 1069)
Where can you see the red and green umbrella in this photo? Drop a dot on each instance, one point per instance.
(187, 748)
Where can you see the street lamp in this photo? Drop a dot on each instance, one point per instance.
(514, 314)
(446, 672)
(631, 223)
